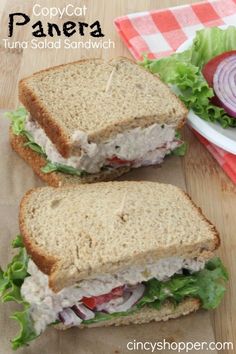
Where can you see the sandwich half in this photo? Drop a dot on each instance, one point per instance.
(94, 120)
(111, 254)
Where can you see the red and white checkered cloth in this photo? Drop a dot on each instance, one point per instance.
(160, 33)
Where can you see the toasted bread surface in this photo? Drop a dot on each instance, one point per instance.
(77, 232)
(101, 98)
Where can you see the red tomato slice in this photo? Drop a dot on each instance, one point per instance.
(93, 302)
(90, 302)
(209, 68)
(117, 160)
(118, 291)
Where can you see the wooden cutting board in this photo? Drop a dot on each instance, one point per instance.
(197, 173)
(16, 178)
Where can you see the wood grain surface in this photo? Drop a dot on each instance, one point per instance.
(207, 184)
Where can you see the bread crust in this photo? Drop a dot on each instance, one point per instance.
(44, 261)
(58, 179)
(56, 133)
(216, 234)
(146, 314)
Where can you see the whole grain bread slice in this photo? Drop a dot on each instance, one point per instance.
(101, 98)
(146, 314)
(58, 179)
(77, 232)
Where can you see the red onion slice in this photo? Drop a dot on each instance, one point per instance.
(69, 318)
(224, 83)
(83, 312)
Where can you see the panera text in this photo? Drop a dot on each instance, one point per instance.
(52, 29)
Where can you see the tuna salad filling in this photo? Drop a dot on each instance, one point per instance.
(115, 289)
(106, 296)
(133, 148)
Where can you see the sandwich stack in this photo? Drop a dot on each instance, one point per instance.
(94, 120)
(110, 254)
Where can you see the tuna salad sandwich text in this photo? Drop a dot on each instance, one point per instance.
(110, 254)
(94, 120)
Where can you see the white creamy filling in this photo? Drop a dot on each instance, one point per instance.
(139, 146)
(45, 304)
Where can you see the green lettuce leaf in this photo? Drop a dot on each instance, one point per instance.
(52, 166)
(18, 242)
(11, 281)
(180, 150)
(102, 316)
(13, 277)
(207, 285)
(3, 281)
(211, 42)
(18, 119)
(27, 333)
(211, 283)
(183, 70)
(32, 144)
(175, 289)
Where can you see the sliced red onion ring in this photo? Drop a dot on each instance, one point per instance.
(224, 83)
(127, 301)
(83, 312)
(129, 288)
(69, 318)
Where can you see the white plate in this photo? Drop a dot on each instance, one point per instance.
(224, 138)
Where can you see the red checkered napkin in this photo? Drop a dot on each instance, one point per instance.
(226, 160)
(160, 33)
